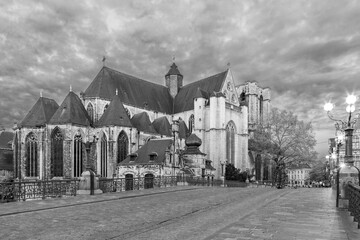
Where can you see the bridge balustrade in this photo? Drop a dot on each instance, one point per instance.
(353, 192)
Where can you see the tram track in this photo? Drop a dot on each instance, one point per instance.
(91, 202)
(169, 221)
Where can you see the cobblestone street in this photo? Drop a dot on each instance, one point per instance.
(182, 213)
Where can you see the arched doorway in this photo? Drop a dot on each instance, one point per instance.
(149, 181)
(129, 182)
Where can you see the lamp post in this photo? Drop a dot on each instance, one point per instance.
(347, 173)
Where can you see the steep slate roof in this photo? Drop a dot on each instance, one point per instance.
(184, 100)
(183, 130)
(5, 139)
(40, 113)
(141, 121)
(115, 114)
(154, 145)
(162, 126)
(132, 90)
(71, 111)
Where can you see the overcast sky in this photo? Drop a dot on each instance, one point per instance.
(307, 52)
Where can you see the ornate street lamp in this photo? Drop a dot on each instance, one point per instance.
(347, 173)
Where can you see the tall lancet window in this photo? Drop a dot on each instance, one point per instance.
(56, 168)
(90, 111)
(16, 157)
(261, 108)
(31, 155)
(103, 156)
(191, 123)
(78, 155)
(230, 142)
(123, 143)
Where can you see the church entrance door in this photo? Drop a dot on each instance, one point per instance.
(129, 182)
(149, 181)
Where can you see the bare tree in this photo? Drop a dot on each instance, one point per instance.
(284, 139)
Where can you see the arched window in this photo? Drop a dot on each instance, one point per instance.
(261, 107)
(242, 96)
(103, 156)
(230, 142)
(106, 106)
(191, 123)
(78, 155)
(123, 143)
(90, 111)
(31, 155)
(56, 167)
(16, 157)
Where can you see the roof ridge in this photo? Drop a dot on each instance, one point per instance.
(204, 79)
(136, 78)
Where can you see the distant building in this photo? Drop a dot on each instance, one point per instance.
(118, 114)
(6, 155)
(298, 174)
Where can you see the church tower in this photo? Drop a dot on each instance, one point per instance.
(173, 80)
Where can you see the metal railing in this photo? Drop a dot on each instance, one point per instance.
(39, 189)
(353, 192)
(137, 183)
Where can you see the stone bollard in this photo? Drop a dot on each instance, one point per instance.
(89, 184)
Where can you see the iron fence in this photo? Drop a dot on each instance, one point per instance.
(353, 191)
(40, 189)
(137, 183)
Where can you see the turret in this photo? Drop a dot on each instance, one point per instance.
(173, 80)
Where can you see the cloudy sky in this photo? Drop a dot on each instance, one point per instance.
(307, 52)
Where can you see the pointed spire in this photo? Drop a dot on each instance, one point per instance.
(228, 65)
(103, 60)
(173, 58)
(41, 91)
(70, 88)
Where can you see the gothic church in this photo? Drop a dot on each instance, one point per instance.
(121, 124)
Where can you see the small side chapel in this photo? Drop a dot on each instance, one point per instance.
(120, 118)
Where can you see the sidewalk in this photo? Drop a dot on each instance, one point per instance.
(12, 208)
(303, 213)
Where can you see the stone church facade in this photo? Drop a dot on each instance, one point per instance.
(118, 114)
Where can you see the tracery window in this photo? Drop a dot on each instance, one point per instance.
(78, 155)
(103, 156)
(16, 157)
(261, 107)
(191, 123)
(230, 142)
(123, 143)
(242, 96)
(90, 111)
(31, 155)
(56, 167)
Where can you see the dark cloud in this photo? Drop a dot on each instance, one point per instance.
(307, 52)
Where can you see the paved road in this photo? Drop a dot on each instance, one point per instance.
(182, 213)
